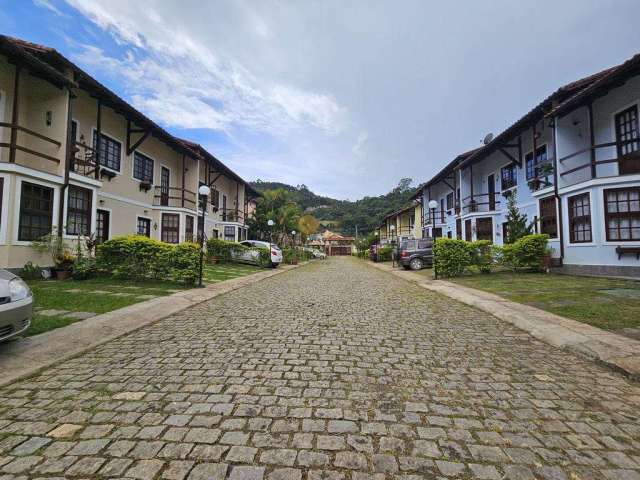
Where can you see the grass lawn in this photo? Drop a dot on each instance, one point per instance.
(72, 298)
(605, 303)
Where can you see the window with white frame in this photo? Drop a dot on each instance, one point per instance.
(508, 177)
(110, 151)
(78, 211)
(142, 168)
(230, 233)
(622, 214)
(36, 211)
(580, 218)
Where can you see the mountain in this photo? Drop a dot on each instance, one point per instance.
(344, 215)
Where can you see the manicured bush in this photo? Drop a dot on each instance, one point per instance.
(31, 272)
(84, 268)
(481, 255)
(184, 263)
(525, 253)
(451, 256)
(137, 257)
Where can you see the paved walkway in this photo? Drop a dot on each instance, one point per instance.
(331, 371)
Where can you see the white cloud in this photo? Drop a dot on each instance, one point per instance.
(49, 6)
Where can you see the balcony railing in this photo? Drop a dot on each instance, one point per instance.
(480, 202)
(174, 197)
(231, 215)
(14, 147)
(627, 164)
(83, 159)
(439, 215)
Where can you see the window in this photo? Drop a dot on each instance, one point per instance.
(442, 210)
(627, 130)
(457, 200)
(36, 207)
(170, 228)
(110, 149)
(622, 214)
(102, 226)
(144, 227)
(580, 218)
(230, 233)
(142, 168)
(449, 201)
(484, 229)
(468, 234)
(215, 198)
(78, 211)
(188, 228)
(531, 164)
(509, 177)
(549, 217)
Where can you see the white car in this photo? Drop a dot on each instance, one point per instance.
(253, 256)
(16, 304)
(315, 252)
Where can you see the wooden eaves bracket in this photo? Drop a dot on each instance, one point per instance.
(145, 135)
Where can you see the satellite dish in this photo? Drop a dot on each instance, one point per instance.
(487, 138)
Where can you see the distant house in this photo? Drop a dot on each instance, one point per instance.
(336, 244)
(402, 224)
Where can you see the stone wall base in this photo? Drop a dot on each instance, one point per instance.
(599, 270)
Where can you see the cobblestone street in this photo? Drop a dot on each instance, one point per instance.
(334, 370)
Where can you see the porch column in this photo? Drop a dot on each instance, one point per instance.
(98, 139)
(14, 115)
(592, 140)
(67, 165)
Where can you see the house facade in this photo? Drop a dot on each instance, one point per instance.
(78, 160)
(402, 224)
(572, 165)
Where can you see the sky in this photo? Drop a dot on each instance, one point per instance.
(344, 97)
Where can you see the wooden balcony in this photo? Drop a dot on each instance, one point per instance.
(480, 202)
(83, 160)
(627, 164)
(231, 215)
(14, 147)
(174, 197)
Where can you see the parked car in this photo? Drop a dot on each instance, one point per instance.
(315, 252)
(416, 254)
(16, 305)
(253, 256)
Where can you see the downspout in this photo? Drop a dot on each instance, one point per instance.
(555, 191)
(67, 164)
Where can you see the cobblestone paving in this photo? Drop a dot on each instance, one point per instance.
(331, 371)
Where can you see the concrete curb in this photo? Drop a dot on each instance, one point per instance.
(612, 350)
(27, 356)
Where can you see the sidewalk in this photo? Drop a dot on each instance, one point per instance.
(26, 356)
(615, 351)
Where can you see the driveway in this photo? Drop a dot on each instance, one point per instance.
(331, 371)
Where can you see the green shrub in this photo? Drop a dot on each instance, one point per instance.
(451, 256)
(384, 253)
(137, 257)
(223, 249)
(30, 272)
(525, 253)
(265, 256)
(184, 263)
(481, 255)
(84, 268)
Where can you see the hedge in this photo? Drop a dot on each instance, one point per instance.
(525, 253)
(453, 257)
(384, 253)
(138, 257)
(223, 249)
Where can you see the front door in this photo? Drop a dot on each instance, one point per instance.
(102, 226)
(164, 186)
(484, 228)
(224, 208)
(458, 229)
(467, 230)
(491, 184)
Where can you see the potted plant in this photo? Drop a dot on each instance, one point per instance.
(54, 245)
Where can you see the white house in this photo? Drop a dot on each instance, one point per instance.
(573, 164)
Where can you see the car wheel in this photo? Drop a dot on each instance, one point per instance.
(416, 264)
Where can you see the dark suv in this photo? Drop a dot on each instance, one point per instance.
(415, 254)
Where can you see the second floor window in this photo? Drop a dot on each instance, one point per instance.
(627, 131)
(531, 164)
(508, 177)
(79, 211)
(110, 151)
(142, 168)
(449, 201)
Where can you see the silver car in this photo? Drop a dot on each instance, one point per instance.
(16, 305)
(252, 256)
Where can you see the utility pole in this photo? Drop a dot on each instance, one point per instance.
(356, 232)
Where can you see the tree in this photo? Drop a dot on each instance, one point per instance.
(517, 225)
(307, 224)
(274, 205)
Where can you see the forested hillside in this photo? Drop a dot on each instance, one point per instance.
(365, 214)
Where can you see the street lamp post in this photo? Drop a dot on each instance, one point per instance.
(204, 192)
(270, 224)
(393, 243)
(432, 206)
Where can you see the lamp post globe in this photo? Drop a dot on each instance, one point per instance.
(204, 190)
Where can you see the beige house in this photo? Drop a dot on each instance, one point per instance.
(77, 159)
(402, 224)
